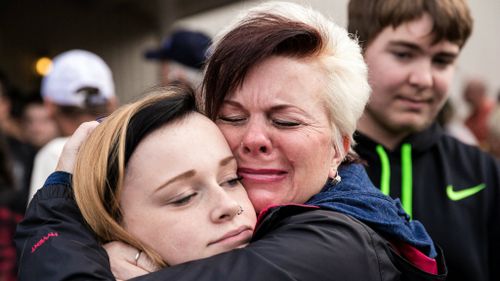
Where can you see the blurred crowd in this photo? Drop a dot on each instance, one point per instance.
(481, 124)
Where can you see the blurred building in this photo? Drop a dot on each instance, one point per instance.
(117, 30)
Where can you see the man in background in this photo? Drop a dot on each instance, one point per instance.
(481, 106)
(16, 156)
(181, 56)
(16, 161)
(411, 48)
(38, 126)
(79, 88)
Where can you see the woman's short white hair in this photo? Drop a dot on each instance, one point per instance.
(346, 83)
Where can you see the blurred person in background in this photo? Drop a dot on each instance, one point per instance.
(181, 57)
(480, 104)
(411, 49)
(493, 139)
(16, 160)
(38, 126)
(453, 126)
(78, 88)
(10, 215)
(9, 125)
(18, 154)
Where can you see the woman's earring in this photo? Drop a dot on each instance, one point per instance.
(337, 179)
(240, 211)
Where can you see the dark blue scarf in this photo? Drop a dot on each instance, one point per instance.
(357, 197)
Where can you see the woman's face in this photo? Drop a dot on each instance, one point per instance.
(277, 126)
(182, 196)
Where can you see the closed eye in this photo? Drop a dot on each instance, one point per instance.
(233, 182)
(231, 119)
(285, 123)
(184, 200)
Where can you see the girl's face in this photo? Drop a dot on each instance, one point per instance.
(182, 195)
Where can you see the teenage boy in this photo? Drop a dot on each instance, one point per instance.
(411, 49)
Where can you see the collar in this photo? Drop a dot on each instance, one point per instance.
(420, 141)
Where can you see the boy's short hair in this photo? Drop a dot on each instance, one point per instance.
(452, 19)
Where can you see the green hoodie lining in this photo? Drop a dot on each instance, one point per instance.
(406, 175)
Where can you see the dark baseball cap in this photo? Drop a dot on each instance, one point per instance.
(183, 46)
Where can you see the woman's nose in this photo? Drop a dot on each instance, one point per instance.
(256, 140)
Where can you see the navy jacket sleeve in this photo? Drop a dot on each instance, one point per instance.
(53, 242)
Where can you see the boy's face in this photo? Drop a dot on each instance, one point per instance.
(410, 77)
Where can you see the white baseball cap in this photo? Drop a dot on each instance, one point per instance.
(74, 71)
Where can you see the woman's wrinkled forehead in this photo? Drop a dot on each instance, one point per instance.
(246, 46)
